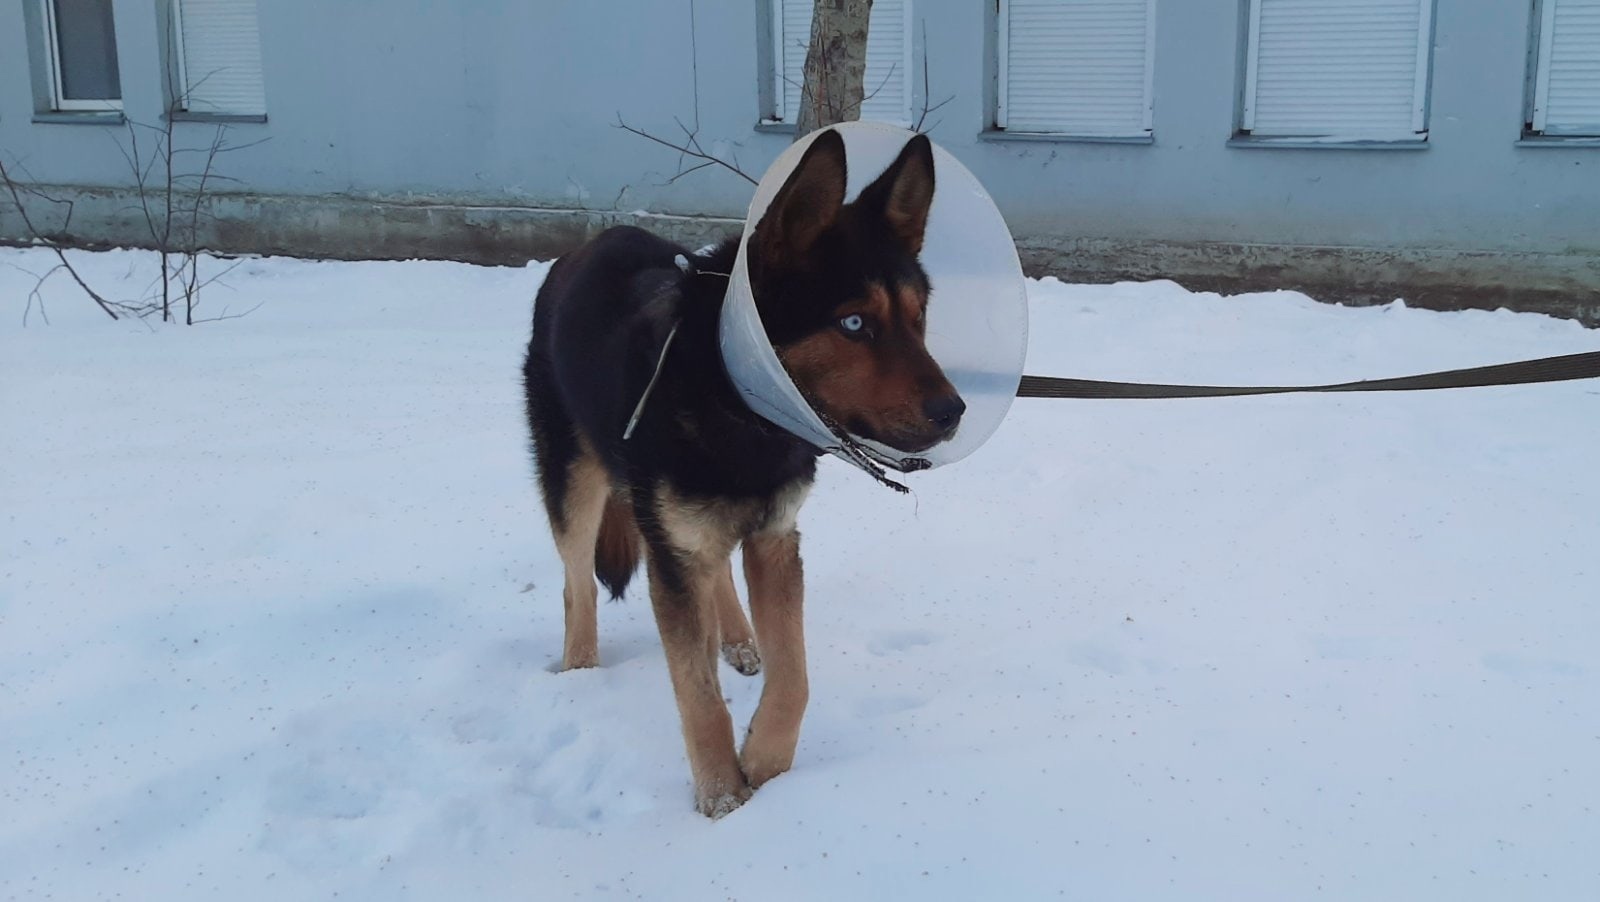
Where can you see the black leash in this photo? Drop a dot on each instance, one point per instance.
(1545, 369)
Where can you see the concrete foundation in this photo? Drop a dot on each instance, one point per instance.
(1565, 285)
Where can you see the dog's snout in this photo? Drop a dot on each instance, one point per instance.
(944, 411)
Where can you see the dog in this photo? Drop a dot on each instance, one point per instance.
(843, 297)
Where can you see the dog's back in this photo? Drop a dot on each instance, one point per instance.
(597, 318)
(601, 322)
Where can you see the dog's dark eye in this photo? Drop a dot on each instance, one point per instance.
(855, 324)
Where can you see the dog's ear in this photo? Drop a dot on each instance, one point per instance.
(808, 203)
(903, 194)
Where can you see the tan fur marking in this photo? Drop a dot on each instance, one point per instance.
(772, 567)
(786, 509)
(704, 534)
(835, 373)
(913, 304)
(880, 382)
(878, 302)
(587, 490)
(738, 641)
(687, 623)
(731, 622)
(712, 529)
(697, 528)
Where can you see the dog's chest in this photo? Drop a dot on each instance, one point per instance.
(782, 510)
(716, 525)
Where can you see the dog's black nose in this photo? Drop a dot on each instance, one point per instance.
(944, 411)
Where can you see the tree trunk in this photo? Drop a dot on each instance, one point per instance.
(836, 64)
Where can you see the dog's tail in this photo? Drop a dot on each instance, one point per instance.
(616, 550)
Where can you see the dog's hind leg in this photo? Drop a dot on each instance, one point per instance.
(738, 642)
(576, 530)
(777, 588)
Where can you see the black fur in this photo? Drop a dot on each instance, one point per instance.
(842, 298)
(604, 311)
(599, 323)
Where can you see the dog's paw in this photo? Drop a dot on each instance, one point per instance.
(579, 661)
(718, 801)
(743, 656)
(760, 767)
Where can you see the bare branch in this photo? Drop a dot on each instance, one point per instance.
(34, 294)
(226, 148)
(140, 174)
(691, 169)
(33, 232)
(694, 65)
(37, 295)
(218, 277)
(34, 190)
(226, 315)
(690, 148)
(191, 249)
(688, 151)
(173, 205)
(926, 91)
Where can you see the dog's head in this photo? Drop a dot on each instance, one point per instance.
(843, 297)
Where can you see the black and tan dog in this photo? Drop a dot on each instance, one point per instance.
(842, 296)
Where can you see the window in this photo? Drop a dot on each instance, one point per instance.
(887, 83)
(219, 57)
(1338, 70)
(1566, 81)
(81, 41)
(1075, 67)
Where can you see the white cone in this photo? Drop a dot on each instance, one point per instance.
(977, 321)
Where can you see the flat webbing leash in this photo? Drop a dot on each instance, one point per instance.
(1545, 369)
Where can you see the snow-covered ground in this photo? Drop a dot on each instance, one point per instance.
(278, 612)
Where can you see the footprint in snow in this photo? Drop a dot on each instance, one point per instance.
(896, 641)
(884, 706)
(1096, 656)
(570, 780)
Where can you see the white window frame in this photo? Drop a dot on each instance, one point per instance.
(781, 116)
(1420, 85)
(180, 57)
(775, 39)
(1538, 123)
(1002, 83)
(53, 51)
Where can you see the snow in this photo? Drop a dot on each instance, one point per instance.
(278, 612)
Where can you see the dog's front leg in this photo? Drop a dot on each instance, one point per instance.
(777, 588)
(682, 591)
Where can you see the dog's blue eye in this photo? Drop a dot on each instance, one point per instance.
(853, 323)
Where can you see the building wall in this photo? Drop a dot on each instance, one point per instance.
(393, 125)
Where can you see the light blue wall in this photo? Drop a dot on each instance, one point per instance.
(514, 103)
